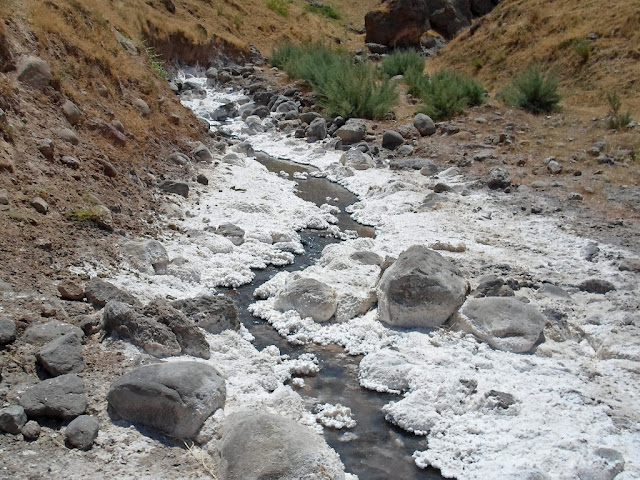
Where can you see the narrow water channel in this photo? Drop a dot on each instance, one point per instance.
(373, 449)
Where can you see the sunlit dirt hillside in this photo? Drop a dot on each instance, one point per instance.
(594, 46)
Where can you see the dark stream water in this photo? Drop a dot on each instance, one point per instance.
(373, 449)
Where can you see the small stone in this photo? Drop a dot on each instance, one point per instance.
(391, 139)
(596, 285)
(82, 431)
(575, 197)
(424, 124)
(62, 355)
(39, 205)
(441, 187)
(47, 148)
(202, 179)
(179, 158)
(70, 290)
(12, 419)
(498, 178)
(554, 167)
(31, 431)
(142, 107)
(70, 162)
(4, 197)
(175, 186)
(68, 136)
(7, 331)
(71, 112)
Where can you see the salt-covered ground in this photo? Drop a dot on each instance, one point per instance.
(485, 413)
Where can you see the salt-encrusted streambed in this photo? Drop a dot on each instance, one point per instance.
(373, 449)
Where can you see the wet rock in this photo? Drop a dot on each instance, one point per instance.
(70, 290)
(34, 71)
(232, 232)
(47, 148)
(68, 136)
(317, 130)
(71, 112)
(596, 285)
(190, 338)
(7, 331)
(421, 289)
(61, 397)
(148, 257)
(39, 205)
(276, 448)
(174, 398)
(62, 355)
(603, 464)
(505, 323)
(42, 333)
(142, 107)
(498, 178)
(391, 139)
(308, 297)
(424, 124)
(353, 131)
(175, 186)
(31, 431)
(152, 336)
(82, 431)
(99, 292)
(356, 159)
(213, 313)
(202, 153)
(12, 419)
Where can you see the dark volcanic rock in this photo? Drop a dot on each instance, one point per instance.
(62, 355)
(99, 292)
(82, 431)
(213, 313)
(61, 397)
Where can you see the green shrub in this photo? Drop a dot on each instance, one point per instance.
(616, 120)
(354, 90)
(153, 60)
(400, 62)
(322, 9)
(344, 88)
(417, 82)
(446, 94)
(279, 6)
(533, 90)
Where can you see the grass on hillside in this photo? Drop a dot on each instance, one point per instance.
(322, 9)
(444, 94)
(533, 90)
(402, 61)
(344, 88)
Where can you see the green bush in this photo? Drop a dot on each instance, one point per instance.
(279, 6)
(400, 62)
(616, 120)
(533, 90)
(344, 88)
(446, 94)
(322, 9)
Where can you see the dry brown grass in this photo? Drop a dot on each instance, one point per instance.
(554, 34)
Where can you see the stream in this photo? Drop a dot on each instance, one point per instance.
(374, 449)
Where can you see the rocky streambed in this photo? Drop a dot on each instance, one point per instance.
(486, 340)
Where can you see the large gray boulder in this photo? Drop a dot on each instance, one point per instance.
(12, 419)
(99, 292)
(148, 256)
(82, 431)
(42, 333)
(175, 186)
(202, 153)
(174, 398)
(505, 323)
(71, 112)
(353, 131)
(391, 139)
(261, 445)
(420, 289)
(357, 160)
(62, 355)
(213, 313)
(61, 397)
(498, 178)
(34, 71)
(308, 297)
(7, 331)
